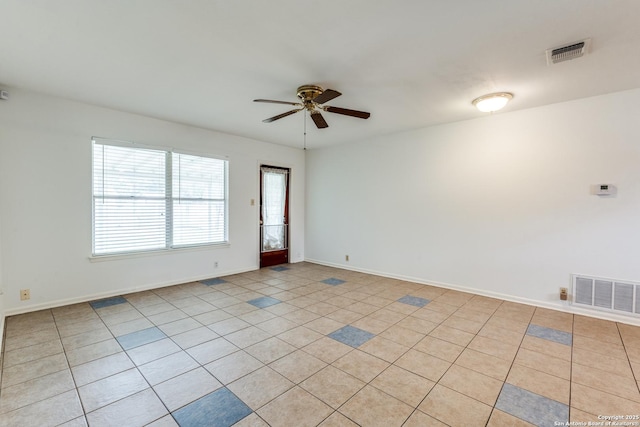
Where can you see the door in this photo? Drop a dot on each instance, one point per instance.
(274, 216)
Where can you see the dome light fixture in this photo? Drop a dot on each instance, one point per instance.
(492, 102)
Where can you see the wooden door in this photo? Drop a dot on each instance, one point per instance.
(274, 216)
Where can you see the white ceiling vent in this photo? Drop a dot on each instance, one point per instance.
(570, 51)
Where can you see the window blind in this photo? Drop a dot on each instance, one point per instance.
(147, 199)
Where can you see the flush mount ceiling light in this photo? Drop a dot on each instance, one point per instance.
(492, 102)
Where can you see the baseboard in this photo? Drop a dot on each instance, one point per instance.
(113, 293)
(567, 308)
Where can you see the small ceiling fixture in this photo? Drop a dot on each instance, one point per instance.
(492, 102)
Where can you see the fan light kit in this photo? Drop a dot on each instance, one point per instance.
(312, 97)
(492, 102)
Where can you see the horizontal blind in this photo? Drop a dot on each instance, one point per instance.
(129, 199)
(146, 199)
(199, 200)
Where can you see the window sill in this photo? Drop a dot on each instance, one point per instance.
(132, 255)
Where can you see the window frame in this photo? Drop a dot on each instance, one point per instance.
(169, 199)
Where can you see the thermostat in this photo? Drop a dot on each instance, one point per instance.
(604, 189)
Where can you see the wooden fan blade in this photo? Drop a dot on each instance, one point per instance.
(326, 96)
(279, 116)
(319, 120)
(347, 112)
(277, 102)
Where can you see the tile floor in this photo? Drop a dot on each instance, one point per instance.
(306, 345)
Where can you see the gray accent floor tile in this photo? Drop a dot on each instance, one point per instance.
(533, 408)
(415, 301)
(333, 281)
(221, 408)
(351, 336)
(264, 302)
(550, 334)
(138, 338)
(107, 302)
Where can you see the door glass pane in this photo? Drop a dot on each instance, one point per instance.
(273, 204)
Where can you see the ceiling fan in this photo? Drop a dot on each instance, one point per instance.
(312, 97)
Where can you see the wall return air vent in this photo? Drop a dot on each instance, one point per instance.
(567, 52)
(598, 293)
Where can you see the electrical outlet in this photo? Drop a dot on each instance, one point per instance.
(346, 258)
(215, 264)
(25, 294)
(564, 292)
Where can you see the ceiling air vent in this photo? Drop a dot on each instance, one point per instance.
(565, 53)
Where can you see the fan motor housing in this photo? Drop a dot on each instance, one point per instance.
(308, 92)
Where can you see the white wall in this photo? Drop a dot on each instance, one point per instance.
(45, 188)
(499, 204)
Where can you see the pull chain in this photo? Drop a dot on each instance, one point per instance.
(305, 130)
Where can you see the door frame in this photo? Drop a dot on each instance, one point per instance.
(276, 165)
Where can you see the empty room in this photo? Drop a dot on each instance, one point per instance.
(338, 213)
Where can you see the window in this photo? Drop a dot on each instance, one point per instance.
(147, 199)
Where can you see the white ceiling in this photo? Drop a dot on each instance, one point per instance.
(411, 63)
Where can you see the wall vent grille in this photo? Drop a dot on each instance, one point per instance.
(607, 294)
(570, 51)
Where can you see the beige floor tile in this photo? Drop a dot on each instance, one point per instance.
(81, 340)
(322, 308)
(277, 326)
(613, 365)
(337, 420)
(361, 365)
(23, 394)
(463, 324)
(417, 324)
(507, 324)
(389, 316)
(439, 348)
(298, 366)
(590, 400)
(441, 307)
(34, 369)
(403, 385)
(455, 336)
(485, 364)
(474, 312)
(194, 337)
(371, 407)
(53, 411)
(108, 390)
(152, 351)
(91, 352)
(433, 316)
(247, 337)
(136, 410)
(494, 347)
(302, 316)
(501, 334)
(186, 388)
(258, 316)
(327, 349)
(454, 409)
(295, 404)
(601, 330)
(544, 363)
(252, 420)
(623, 386)
(423, 364)
(601, 347)
(515, 312)
(540, 383)
(300, 336)
(228, 326)
(345, 316)
(168, 367)
(578, 416)
(472, 384)
(502, 419)
(420, 419)
(560, 323)
(211, 350)
(34, 352)
(384, 349)
(29, 339)
(403, 336)
(211, 317)
(454, 298)
(260, 387)
(236, 365)
(547, 347)
(372, 325)
(101, 368)
(179, 326)
(270, 349)
(324, 325)
(332, 386)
